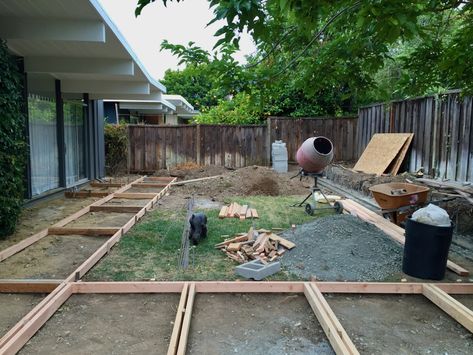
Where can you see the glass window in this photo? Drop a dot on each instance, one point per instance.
(74, 137)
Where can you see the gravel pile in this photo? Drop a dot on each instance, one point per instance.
(342, 247)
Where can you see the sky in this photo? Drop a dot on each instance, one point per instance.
(179, 23)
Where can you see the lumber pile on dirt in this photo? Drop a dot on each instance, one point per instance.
(450, 188)
(237, 211)
(262, 244)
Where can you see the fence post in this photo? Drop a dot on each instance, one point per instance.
(198, 143)
(268, 141)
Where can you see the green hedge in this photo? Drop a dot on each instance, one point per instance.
(12, 142)
(116, 148)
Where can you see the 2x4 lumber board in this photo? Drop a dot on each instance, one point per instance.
(449, 305)
(82, 194)
(176, 331)
(37, 321)
(395, 232)
(17, 327)
(160, 178)
(324, 319)
(118, 209)
(105, 184)
(129, 287)
(28, 286)
(186, 322)
(184, 182)
(135, 195)
(4, 254)
(96, 231)
(94, 258)
(336, 323)
(150, 185)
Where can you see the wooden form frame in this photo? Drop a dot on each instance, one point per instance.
(313, 291)
(392, 230)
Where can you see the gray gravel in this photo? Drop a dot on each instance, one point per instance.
(342, 247)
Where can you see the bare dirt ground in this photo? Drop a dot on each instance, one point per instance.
(53, 257)
(408, 324)
(126, 202)
(101, 219)
(14, 306)
(108, 324)
(255, 324)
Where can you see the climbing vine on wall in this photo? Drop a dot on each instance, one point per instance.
(12, 142)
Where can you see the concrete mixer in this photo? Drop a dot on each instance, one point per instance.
(313, 156)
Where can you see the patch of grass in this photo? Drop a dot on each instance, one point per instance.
(150, 250)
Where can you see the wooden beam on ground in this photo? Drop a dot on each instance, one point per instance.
(150, 185)
(186, 322)
(22, 245)
(395, 232)
(119, 209)
(26, 332)
(96, 231)
(28, 286)
(176, 331)
(129, 287)
(326, 322)
(336, 323)
(84, 194)
(135, 195)
(160, 178)
(449, 305)
(184, 182)
(105, 184)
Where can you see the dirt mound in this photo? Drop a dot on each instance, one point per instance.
(265, 186)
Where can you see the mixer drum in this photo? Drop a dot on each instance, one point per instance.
(315, 154)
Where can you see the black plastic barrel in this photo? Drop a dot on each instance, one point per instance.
(426, 250)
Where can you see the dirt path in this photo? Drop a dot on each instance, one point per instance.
(108, 324)
(14, 306)
(408, 324)
(255, 324)
(53, 257)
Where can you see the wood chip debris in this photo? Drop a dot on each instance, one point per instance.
(450, 188)
(237, 211)
(262, 244)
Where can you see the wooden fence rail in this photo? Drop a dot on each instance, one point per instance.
(153, 147)
(442, 127)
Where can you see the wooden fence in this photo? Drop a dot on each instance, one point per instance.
(153, 147)
(442, 127)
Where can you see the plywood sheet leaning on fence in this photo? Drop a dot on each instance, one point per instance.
(384, 150)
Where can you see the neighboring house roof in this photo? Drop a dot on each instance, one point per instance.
(77, 42)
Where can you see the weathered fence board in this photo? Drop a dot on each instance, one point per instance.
(153, 147)
(442, 127)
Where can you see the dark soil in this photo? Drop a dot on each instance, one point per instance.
(340, 248)
(408, 324)
(255, 324)
(14, 307)
(108, 324)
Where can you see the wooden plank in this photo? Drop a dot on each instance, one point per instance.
(149, 184)
(223, 212)
(86, 193)
(119, 209)
(392, 230)
(28, 286)
(284, 242)
(333, 318)
(135, 195)
(449, 305)
(186, 323)
(96, 231)
(176, 331)
(401, 155)
(106, 184)
(22, 245)
(331, 332)
(16, 342)
(184, 182)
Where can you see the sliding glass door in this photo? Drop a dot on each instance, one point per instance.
(43, 144)
(74, 139)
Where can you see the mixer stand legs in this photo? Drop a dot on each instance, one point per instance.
(311, 207)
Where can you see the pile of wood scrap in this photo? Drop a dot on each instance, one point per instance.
(237, 211)
(450, 188)
(262, 244)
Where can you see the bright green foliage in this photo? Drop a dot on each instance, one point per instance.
(329, 57)
(116, 148)
(12, 142)
(238, 110)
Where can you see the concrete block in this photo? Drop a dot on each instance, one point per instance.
(256, 270)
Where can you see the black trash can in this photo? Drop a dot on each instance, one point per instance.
(426, 250)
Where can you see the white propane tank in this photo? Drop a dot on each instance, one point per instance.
(279, 156)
